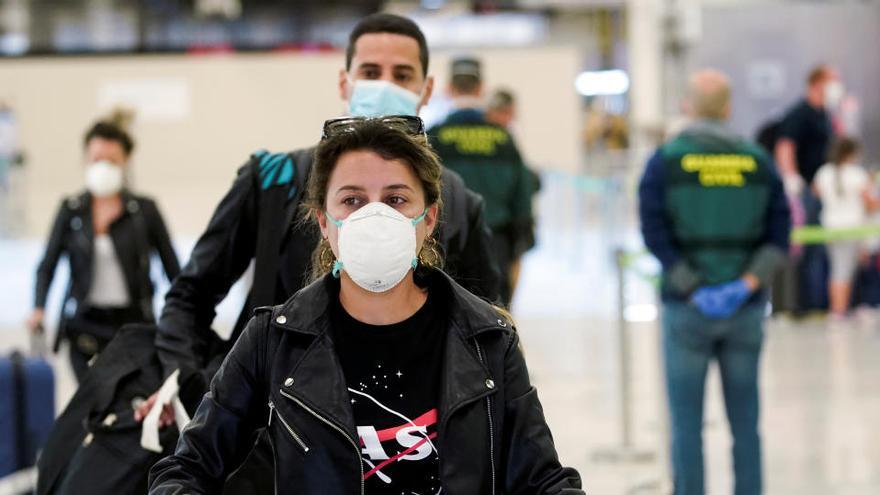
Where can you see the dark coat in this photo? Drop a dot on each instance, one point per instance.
(138, 232)
(94, 446)
(492, 434)
(230, 243)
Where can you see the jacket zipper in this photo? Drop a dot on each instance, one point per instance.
(491, 427)
(290, 430)
(357, 450)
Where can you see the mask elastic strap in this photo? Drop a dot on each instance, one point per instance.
(334, 221)
(337, 265)
(416, 220)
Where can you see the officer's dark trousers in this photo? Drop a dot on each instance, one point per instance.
(502, 248)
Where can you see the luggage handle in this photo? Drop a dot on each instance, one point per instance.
(38, 346)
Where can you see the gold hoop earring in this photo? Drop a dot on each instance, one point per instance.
(429, 255)
(326, 257)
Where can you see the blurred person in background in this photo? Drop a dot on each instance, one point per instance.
(486, 157)
(713, 211)
(501, 110)
(846, 191)
(108, 234)
(384, 356)
(385, 73)
(10, 156)
(805, 135)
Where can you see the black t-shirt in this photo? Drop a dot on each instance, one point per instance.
(810, 129)
(393, 376)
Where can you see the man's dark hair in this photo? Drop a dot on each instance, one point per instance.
(465, 84)
(111, 132)
(388, 23)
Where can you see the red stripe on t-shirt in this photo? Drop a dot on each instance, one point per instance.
(398, 456)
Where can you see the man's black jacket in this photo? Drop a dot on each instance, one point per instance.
(492, 436)
(185, 339)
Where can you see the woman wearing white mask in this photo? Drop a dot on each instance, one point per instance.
(108, 234)
(384, 375)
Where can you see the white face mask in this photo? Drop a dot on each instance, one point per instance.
(377, 246)
(834, 93)
(371, 98)
(103, 178)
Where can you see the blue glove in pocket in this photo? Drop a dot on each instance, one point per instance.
(721, 301)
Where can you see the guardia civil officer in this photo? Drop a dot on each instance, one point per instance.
(713, 211)
(486, 157)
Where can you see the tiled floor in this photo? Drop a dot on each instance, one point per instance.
(820, 411)
(820, 383)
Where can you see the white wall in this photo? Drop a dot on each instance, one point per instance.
(238, 104)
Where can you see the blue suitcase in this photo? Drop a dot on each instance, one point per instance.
(27, 410)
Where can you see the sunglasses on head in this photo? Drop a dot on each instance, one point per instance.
(410, 124)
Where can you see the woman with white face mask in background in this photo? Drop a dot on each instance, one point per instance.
(384, 375)
(108, 235)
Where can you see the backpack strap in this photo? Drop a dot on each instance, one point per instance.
(282, 178)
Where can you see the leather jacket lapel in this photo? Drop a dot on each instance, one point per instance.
(465, 379)
(318, 381)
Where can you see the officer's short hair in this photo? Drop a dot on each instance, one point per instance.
(709, 102)
(501, 99)
(388, 23)
(466, 75)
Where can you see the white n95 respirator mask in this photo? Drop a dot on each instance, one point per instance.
(377, 246)
(103, 178)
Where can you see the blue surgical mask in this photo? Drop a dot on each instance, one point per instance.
(371, 98)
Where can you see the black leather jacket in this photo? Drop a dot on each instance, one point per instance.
(185, 339)
(493, 438)
(136, 234)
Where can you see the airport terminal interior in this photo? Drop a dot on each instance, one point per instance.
(597, 86)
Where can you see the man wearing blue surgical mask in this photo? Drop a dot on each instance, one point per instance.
(386, 68)
(385, 74)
